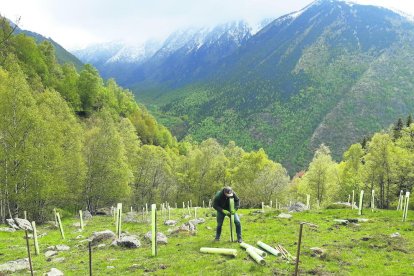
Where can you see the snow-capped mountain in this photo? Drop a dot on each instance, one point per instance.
(125, 62)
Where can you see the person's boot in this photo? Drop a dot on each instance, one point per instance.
(239, 240)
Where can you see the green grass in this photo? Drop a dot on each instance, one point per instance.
(364, 249)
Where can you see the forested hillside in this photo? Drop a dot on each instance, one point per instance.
(68, 139)
(329, 73)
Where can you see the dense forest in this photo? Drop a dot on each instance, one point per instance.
(70, 140)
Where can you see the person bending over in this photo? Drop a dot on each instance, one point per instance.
(222, 205)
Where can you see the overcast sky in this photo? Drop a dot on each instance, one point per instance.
(77, 23)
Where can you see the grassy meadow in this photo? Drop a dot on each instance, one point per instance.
(364, 248)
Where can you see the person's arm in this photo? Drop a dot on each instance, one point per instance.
(216, 202)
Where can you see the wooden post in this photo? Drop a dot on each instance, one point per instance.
(60, 225)
(209, 203)
(271, 204)
(28, 253)
(263, 207)
(119, 220)
(372, 200)
(308, 202)
(361, 202)
(400, 201)
(146, 208)
(154, 229)
(90, 258)
(25, 214)
(81, 219)
(203, 204)
(353, 199)
(407, 201)
(169, 213)
(298, 251)
(232, 218)
(36, 244)
(191, 203)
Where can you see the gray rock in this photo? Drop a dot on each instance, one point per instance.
(129, 242)
(318, 252)
(98, 237)
(395, 235)
(62, 247)
(23, 224)
(161, 238)
(283, 215)
(341, 221)
(104, 211)
(50, 253)
(170, 222)
(197, 221)
(297, 207)
(58, 260)
(258, 212)
(363, 220)
(14, 266)
(101, 245)
(54, 272)
(86, 215)
(131, 217)
(10, 230)
(12, 224)
(188, 227)
(79, 237)
(345, 204)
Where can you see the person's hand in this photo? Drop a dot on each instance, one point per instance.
(233, 212)
(227, 213)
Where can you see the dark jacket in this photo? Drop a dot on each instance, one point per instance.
(221, 201)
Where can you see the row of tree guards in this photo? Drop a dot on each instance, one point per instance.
(256, 253)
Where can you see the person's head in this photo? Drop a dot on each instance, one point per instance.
(228, 191)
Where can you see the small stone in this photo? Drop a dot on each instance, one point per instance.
(170, 222)
(58, 260)
(297, 207)
(14, 266)
(129, 242)
(110, 267)
(395, 235)
(197, 221)
(283, 215)
(50, 253)
(363, 220)
(97, 237)
(62, 247)
(365, 238)
(318, 252)
(10, 230)
(54, 272)
(101, 245)
(79, 237)
(341, 221)
(209, 228)
(161, 238)
(86, 215)
(23, 224)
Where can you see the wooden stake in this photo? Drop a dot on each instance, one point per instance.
(308, 202)
(36, 244)
(361, 202)
(232, 218)
(407, 201)
(90, 258)
(60, 225)
(263, 207)
(353, 199)
(81, 219)
(298, 251)
(25, 214)
(154, 229)
(28, 253)
(372, 200)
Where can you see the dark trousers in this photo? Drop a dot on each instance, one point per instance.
(220, 219)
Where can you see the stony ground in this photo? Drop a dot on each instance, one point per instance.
(382, 245)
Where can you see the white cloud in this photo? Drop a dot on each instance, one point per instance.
(79, 22)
